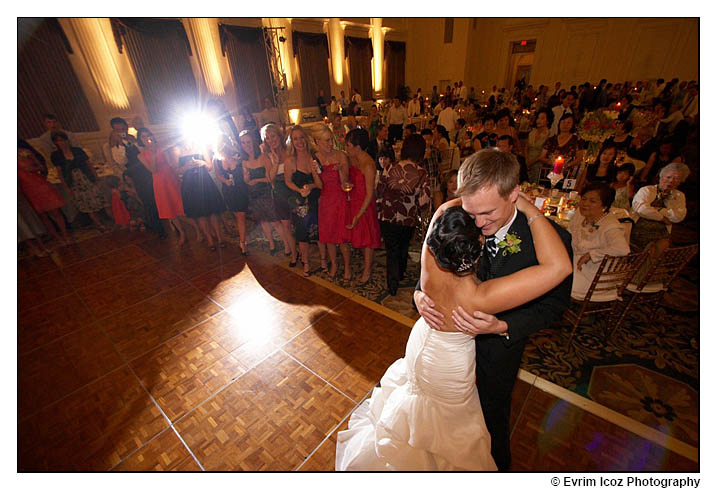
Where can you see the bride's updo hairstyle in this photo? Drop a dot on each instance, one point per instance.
(454, 241)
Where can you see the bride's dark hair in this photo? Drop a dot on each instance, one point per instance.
(454, 241)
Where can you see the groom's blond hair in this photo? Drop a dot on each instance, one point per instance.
(486, 168)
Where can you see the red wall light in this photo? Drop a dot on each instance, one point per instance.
(523, 43)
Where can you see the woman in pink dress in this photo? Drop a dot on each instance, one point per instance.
(364, 224)
(166, 184)
(333, 205)
(43, 198)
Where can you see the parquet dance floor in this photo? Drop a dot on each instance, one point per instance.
(136, 354)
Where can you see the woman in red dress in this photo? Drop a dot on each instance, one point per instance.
(166, 184)
(364, 223)
(43, 198)
(333, 205)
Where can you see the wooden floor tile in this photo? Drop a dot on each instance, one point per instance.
(70, 254)
(106, 266)
(146, 325)
(554, 435)
(324, 458)
(164, 453)
(93, 429)
(519, 397)
(60, 367)
(185, 371)
(47, 322)
(351, 348)
(271, 418)
(189, 262)
(126, 290)
(39, 290)
(35, 266)
(227, 283)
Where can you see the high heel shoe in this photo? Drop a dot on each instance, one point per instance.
(243, 248)
(325, 266)
(307, 273)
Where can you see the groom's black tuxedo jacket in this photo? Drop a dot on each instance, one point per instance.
(542, 311)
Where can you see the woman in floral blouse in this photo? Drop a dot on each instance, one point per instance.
(403, 192)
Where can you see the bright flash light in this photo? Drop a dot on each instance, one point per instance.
(200, 129)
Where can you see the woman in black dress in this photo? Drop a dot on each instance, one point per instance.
(301, 174)
(230, 173)
(275, 151)
(200, 196)
(256, 174)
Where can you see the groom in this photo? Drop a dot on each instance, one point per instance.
(488, 189)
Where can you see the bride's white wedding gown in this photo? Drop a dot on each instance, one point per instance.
(426, 416)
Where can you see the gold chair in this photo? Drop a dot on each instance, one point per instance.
(651, 288)
(447, 160)
(605, 292)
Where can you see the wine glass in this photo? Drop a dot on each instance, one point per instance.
(347, 187)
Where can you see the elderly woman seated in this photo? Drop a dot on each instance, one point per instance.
(658, 208)
(595, 233)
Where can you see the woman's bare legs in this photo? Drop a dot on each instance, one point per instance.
(346, 255)
(96, 220)
(59, 221)
(204, 227)
(332, 250)
(241, 218)
(216, 227)
(268, 234)
(304, 251)
(368, 260)
(323, 255)
(177, 224)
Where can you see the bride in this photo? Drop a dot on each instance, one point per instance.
(427, 414)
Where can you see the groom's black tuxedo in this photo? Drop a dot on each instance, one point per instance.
(497, 358)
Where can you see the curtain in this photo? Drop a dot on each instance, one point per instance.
(244, 49)
(46, 82)
(395, 54)
(360, 52)
(159, 52)
(312, 52)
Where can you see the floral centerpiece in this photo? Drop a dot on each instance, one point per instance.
(595, 128)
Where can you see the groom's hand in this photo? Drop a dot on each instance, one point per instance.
(478, 323)
(425, 306)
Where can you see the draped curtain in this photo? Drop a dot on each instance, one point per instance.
(312, 52)
(360, 52)
(244, 49)
(46, 82)
(395, 54)
(159, 52)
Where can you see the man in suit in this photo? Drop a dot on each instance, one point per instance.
(488, 189)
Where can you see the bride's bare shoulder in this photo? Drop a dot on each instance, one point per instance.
(445, 206)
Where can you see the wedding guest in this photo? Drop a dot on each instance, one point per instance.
(566, 107)
(374, 122)
(115, 150)
(45, 143)
(603, 169)
(396, 119)
(201, 199)
(658, 208)
(132, 202)
(402, 195)
(364, 224)
(229, 170)
(143, 183)
(270, 114)
(414, 107)
(256, 172)
(659, 159)
(301, 174)
(447, 190)
(505, 125)
(624, 187)
(79, 176)
(565, 144)
(505, 143)
(536, 140)
(622, 139)
(432, 160)
(642, 145)
(448, 117)
(322, 103)
(476, 144)
(339, 131)
(441, 139)
(595, 233)
(42, 196)
(165, 180)
(30, 228)
(274, 154)
(333, 208)
(488, 132)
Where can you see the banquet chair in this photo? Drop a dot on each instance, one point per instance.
(651, 288)
(607, 287)
(447, 159)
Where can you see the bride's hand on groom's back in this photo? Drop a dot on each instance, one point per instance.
(425, 306)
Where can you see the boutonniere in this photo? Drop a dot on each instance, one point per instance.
(510, 244)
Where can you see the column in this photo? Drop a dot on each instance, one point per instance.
(377, 63)
(206, 46)
(96, 52)
(336, 51)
